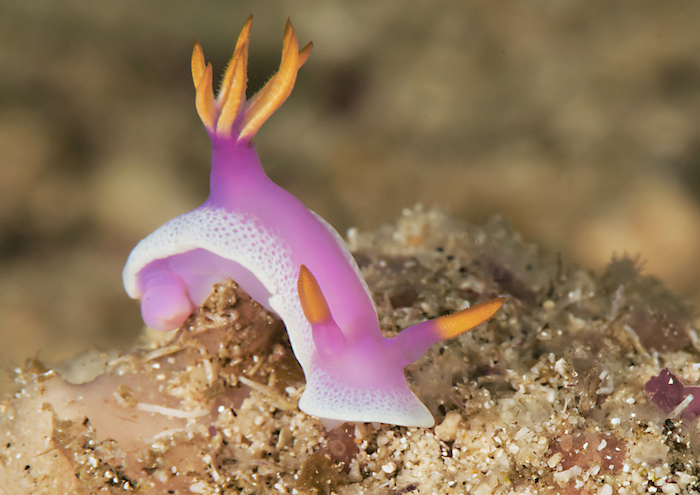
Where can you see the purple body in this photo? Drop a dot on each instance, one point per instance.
(256, 233)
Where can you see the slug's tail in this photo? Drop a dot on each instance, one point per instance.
(410, 344)
(415, 340)
(229, 114)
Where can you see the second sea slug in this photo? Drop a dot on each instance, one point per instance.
(286, 257)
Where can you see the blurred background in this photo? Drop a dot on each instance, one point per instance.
(577, 119)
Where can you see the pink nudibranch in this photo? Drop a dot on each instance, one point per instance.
(287, 258)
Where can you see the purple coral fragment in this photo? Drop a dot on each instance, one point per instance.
(667, 391)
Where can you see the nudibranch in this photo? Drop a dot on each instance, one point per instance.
(286, 257)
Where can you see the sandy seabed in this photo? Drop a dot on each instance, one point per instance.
(548, 397)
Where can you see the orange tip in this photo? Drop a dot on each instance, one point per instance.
(312, 301)
(449, 326)
(219, 114)
(205, 96)
(264, 103)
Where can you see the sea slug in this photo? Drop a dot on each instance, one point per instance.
(286, 257)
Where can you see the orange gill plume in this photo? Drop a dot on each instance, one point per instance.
(219, 114)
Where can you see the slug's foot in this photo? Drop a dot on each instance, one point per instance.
(165, 304)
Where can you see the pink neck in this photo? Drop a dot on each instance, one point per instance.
(236, 171)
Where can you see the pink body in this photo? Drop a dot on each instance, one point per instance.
(256, 233)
